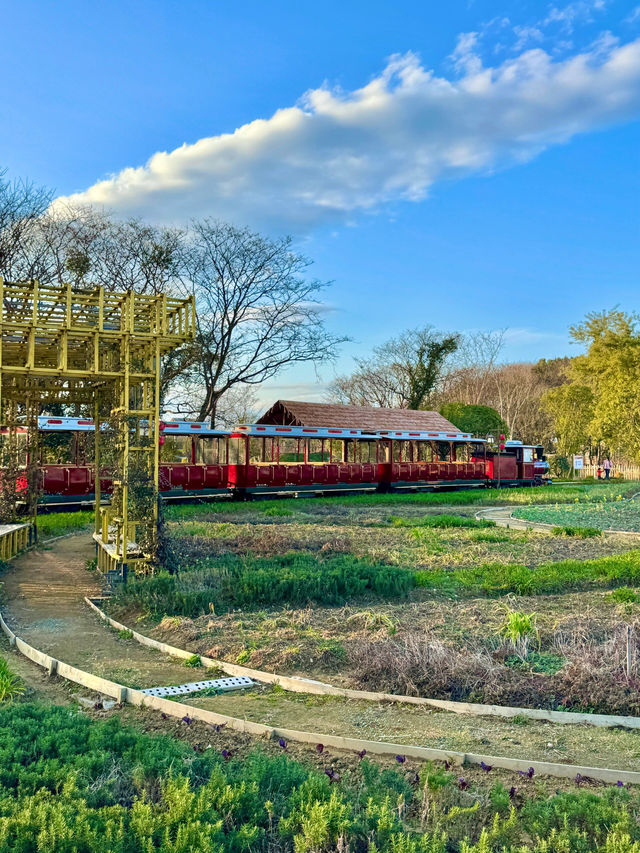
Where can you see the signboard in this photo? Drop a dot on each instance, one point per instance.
(578, 462)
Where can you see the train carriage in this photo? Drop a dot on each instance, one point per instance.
(197, 461)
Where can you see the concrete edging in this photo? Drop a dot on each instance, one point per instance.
(180, 711)
(296, 684)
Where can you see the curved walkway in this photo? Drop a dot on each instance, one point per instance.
(503, 517)
(44, 604)
(44, 592)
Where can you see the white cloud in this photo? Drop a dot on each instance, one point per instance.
(337, 154)
(577, 12)
(633, 16)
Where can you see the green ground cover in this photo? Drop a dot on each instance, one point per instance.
(59, 523)
(71, 785)
(612, 513)
(408, 599)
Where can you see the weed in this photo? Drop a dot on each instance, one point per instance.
(520, 720)
(625, 595)
(440, 521)
(244, 656)
(125, 634)
(492, 538)
(193, 661)
(518, 628)
(11, 686)
(60, 523)
(277, 512)
(579, 532)
(503, 578)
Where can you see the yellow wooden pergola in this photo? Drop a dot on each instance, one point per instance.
(86, 346)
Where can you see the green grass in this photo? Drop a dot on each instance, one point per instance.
(59, 523)
(495, 579)
(235, 582)
(440, 521)
(612, 513)
(584, 492)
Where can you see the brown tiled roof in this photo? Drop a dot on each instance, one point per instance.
(294, 413)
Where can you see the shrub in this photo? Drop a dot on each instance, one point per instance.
(294, 578)
(72, 785)
(503, 578)
(579, 532)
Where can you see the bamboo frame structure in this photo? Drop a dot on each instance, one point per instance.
(99, 349)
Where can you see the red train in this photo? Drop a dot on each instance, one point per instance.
(267, 459)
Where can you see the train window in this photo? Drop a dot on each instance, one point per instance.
(366, 451)
(461, 452)
(527, 454)
(176, 448)
(211, 451)
(237, 451)
(291, 449)
(424, 451)
(319, 450)
(443, 451)
(477, 451)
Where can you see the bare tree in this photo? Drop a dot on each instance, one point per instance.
(22, 204)
(89, 247)
(404, 372)
(471, 378)
(257, 312)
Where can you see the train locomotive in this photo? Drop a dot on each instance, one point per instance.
(263, 459)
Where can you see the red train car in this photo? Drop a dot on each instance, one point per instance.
(198, 461)
(268, 458)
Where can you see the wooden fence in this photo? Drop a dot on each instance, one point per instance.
(13, 539)
(625, 472)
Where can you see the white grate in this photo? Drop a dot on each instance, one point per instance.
(239, 682)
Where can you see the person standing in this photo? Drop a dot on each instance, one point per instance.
(607, 468)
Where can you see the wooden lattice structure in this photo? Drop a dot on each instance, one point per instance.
(88, 347)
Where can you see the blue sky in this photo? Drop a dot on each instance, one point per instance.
(473, 165)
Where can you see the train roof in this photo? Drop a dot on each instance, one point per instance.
(272, 430)
(167, 427)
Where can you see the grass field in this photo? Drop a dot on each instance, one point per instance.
(411, 597)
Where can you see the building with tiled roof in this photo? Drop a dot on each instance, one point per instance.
(295, 413)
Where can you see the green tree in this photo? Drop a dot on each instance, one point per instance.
(571, 407)
(602, 401)
(479, 420)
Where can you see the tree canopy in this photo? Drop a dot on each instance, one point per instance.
(601, 404)
(479, 420)
(402, 373)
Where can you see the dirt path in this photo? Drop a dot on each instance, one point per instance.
(42, 601)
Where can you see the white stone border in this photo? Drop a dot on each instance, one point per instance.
(178, 710)
(296, 684)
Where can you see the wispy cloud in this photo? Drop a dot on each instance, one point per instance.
(337, 154)
(580, 11)
(633, 16)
